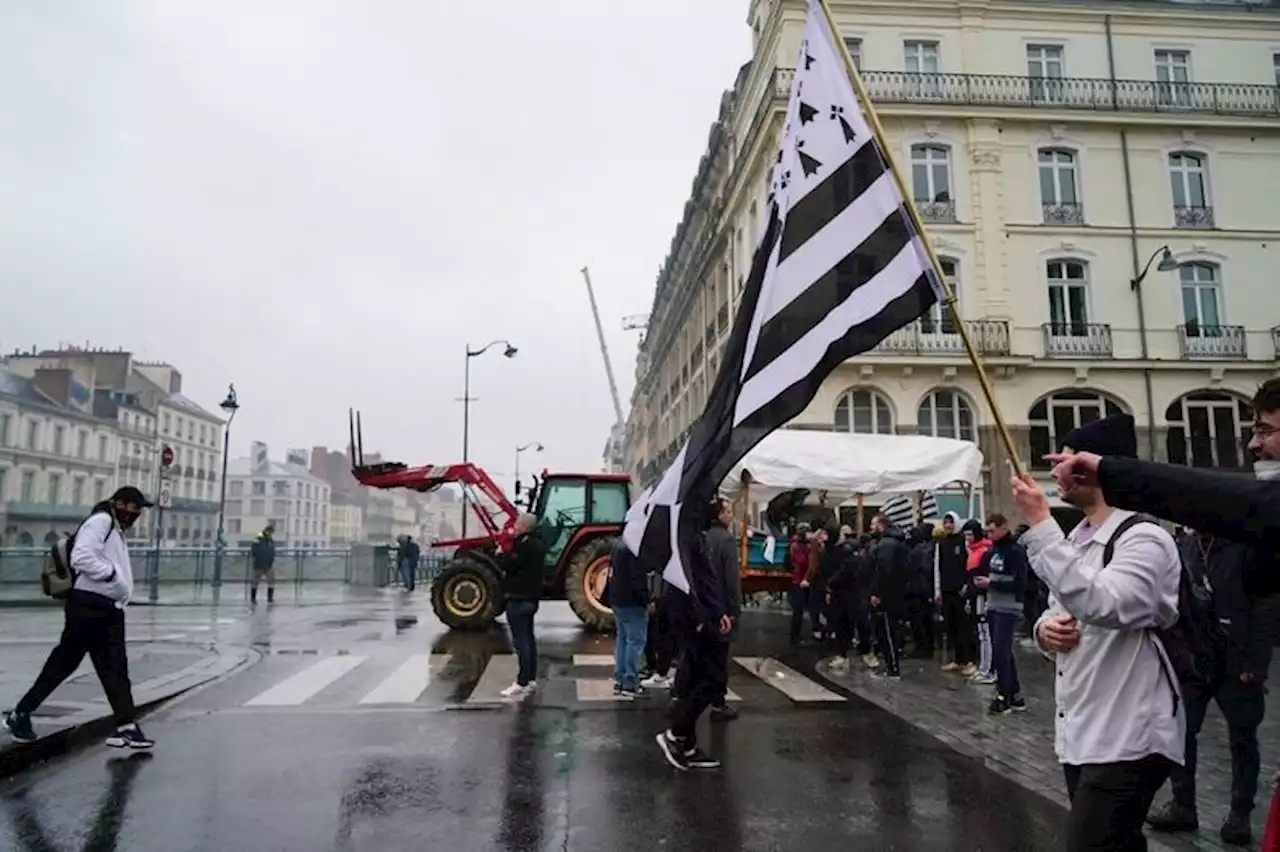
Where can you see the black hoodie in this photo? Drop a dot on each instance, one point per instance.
(889, 570)
(952, 556)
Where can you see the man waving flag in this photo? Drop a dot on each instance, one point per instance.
(840, 266)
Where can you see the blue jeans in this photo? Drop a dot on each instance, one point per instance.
(1002, 626)
(628, 646)
(406, 573)
(520, 620)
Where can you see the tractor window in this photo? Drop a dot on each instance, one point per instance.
(608, 502)
(564, 509)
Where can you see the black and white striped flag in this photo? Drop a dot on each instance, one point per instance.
(840, 267)
(901, 510)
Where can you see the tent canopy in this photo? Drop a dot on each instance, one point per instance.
(845, 465)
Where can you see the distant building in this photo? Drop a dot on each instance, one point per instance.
(346, 522)
(289, 497)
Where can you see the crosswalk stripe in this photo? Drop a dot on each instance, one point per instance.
(787, 680)
(601, 689)
(499, 673)
(306, 683)
(593, 659)
(408, 682)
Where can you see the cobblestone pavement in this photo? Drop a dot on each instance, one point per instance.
(1021, 745)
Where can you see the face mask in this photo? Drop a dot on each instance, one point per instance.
(125, 518)
(1264, 469)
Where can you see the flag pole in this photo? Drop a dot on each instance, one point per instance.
(874, 120)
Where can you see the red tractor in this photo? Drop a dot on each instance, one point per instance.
(580, 516)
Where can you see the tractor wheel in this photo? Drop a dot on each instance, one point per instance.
(584, 583)
(467, 595)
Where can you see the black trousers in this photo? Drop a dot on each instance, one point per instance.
(863, 631)
(1242, 705)
(659, 646)
(1109, 803)
(93, 626)
(842, 622)
(798, 598)
(962, 637)
(888, 626)
(702, 676)
(921, 622)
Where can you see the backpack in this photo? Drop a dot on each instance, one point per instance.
(57, 578)
(1195, 642)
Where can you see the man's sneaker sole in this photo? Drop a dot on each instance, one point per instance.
(114, 741)
(703, 762)
(20, 736)
(1018, 708)
(673, 757)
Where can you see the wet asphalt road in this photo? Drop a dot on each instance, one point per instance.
(333, 774)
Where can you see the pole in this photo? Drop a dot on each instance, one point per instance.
(153, 593)
(983, 380)
(743, 551)
(466, 429)
(218, 545)
(517, 474)
(861, 518)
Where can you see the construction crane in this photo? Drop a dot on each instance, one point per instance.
(619, 427)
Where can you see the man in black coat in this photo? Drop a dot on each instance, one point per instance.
(1248, 625)
(920, 611)
(888, 592)
(949, 578)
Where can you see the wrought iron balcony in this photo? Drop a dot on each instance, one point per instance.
(937, 212)
(722, 319)
(1077, 340)
(1193, 217)
(928, 337)
(1058, 93)
(1212, 341)
(1065, 213)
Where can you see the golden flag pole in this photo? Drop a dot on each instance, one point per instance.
(874, 120)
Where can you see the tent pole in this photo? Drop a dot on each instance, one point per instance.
(861, 510)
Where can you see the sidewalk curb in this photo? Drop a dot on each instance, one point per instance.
(18, 757)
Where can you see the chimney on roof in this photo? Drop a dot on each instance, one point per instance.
(55, 384)
(258, 456)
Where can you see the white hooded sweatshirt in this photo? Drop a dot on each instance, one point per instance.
(100, 559)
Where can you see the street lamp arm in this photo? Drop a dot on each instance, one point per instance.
(472, 353)
(1167, 264)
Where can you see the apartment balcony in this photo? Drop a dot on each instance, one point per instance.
(32, 511)
(1077, 340)
(929, 338)
(937, 212)
(1214, 341)
(188, 504)
(1063, 214)
(134, 463)
(1061, 93)
(1193, 217)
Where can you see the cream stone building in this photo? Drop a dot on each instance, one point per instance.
(1056, 150)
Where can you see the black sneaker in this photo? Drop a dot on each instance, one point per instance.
(999, 706)
(723, 713)
(130, 736)
(1236, 830)
(1173, 817)
(696, 758)
(624, 694)
(1018, 704)
(673, 751)
(19, 727)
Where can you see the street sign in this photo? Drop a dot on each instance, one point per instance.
(166, 500)
(166, 456)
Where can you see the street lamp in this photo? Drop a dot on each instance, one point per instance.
(1167, 264)
(230, 405)
(510, 352)
(532, 445)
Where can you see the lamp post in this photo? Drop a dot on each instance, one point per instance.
(532, 445)
(1167, 264)
(509, 352)
(230, 405)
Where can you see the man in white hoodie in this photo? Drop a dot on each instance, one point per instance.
(1113, 583)
(94, 620)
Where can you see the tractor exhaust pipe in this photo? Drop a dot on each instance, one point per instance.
(356, 446)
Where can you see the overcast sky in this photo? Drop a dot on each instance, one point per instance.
(325, 201)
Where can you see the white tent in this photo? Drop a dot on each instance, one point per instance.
(846, 465)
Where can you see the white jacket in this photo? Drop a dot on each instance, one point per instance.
(100, 559)
(1115, 699)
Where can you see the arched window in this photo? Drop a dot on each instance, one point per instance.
(25, 540)
(863, 411)
(1055, 415)
(1060, 187)
(1068, 283)
(945, 413)
(939, 319)
(1209, 429)
(51, 538)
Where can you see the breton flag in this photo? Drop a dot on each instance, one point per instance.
(840, 267)
(901, 510)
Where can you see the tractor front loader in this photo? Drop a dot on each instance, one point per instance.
(580, 517)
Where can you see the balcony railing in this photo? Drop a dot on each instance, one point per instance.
(1213, 341)
(1193, 217)
(30, 510)
(1071, 93)
(937, 212)
(1065, 213)
(927, 337)
(1077, 340)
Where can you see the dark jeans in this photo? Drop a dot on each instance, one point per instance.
(1242, 705)
(408, 570)
(920, 619)
(520, 620)
(889, 638)
(842, 618)
(1109, 803)
(659, 647)
(798, 597)
(93, 626)
(959, 626)
(863, 631)
(702, 676)
(1003, 626)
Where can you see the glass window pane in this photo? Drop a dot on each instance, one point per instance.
(1227, 434)
(608, 502)
(941, 181)
(1057, 309)
(1179, 189)
(1195, 186)
(1201, 440)
(1048, 192)
(1079, 312)
(862, 419)
(920, 181)
(1064, 421)
(1209, 306)
(1067, 184)
(842, 415)
(884, 424)
(1190, 307)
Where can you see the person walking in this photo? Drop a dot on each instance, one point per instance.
(523, 568)
(262, 553)
(409, 555)
(629, 599)
(1004, 579)
(94, 622)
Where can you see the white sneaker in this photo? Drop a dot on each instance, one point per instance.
(656, 681)
(983, 679)
(515, 690)
(531, 686)
(838, 665)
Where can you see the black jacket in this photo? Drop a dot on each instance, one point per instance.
(952, 557)
(628, 581)
(722, 553)
(889, 571)
(920, 566)
(523, 568)
(850, 571)
(1249, 623)
(1227, 505)
(263, 553)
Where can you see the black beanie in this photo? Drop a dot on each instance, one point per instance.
(1110, 436)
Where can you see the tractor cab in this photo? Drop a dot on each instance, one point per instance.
(569, 506)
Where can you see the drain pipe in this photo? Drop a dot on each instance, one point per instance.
(1135, 283)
